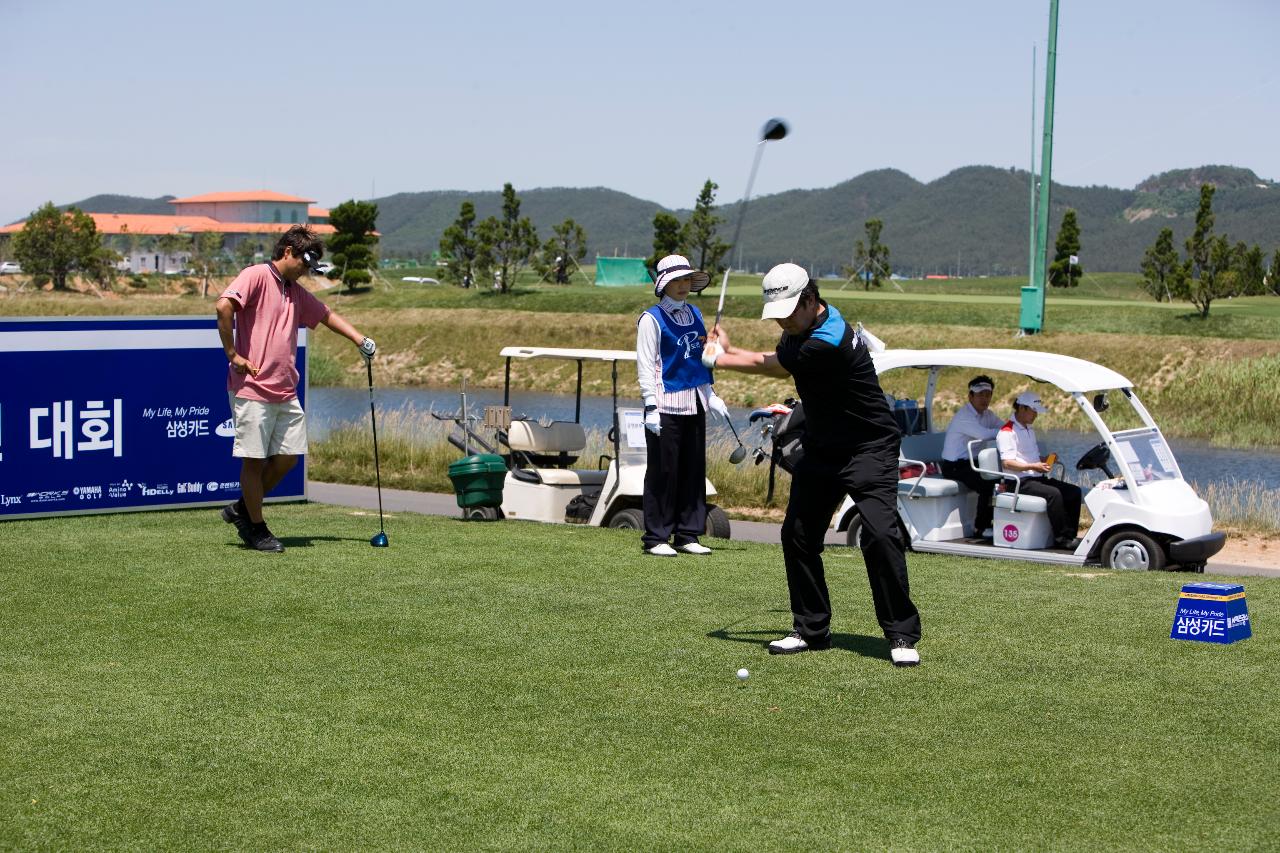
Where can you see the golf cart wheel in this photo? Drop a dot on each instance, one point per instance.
(1132, 550)
(717, 522)
(482, 513)
(627, 519)
(853, 533)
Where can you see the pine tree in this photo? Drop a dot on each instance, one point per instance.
(703, 246)
(351, 248)
(1063, 273)
(1159, 265)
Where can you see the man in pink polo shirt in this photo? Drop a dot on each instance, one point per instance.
(269, 306)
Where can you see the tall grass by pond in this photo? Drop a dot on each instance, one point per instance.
(414, 454)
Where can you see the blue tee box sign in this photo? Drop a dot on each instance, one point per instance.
(109, 414)
(1211, 613)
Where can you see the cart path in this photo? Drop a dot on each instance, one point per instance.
(433, 503)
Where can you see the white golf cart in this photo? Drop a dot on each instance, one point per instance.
(541, 483)
(1145, 515)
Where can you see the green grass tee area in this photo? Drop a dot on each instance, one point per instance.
(513, 686)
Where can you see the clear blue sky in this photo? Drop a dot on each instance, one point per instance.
(335, 100)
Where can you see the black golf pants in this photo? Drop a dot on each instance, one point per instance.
(1063, 501)
(675, 493)
(962, 472)
(870, 477)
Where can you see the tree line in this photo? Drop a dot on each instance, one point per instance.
(1213, 267)
(499, 247)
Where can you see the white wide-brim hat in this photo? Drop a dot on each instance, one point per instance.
(673, 267)
(782, 288)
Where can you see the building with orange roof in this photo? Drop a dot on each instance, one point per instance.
(237, 216)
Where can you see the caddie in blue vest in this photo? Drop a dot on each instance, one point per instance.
(677, 394)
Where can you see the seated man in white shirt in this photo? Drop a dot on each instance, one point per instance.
(974, 421)
(1020, 454)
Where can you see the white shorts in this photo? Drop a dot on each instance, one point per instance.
(268, 429)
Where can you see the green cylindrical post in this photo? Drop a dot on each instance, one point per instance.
(1032, 320)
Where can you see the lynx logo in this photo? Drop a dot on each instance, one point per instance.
(226, 429)
(690, 341)
(10, 500)
(1010, 533)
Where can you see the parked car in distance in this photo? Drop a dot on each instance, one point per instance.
(10, 268)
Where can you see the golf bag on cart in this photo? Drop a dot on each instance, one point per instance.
(788, 432)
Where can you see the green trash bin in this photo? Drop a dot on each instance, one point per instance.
(477, 480)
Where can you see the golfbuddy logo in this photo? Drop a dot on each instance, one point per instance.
(690, 341)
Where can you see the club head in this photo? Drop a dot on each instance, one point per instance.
(379, 540)
(738, 454)
(773, 130)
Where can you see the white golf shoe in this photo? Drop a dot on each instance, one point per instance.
(793, 643)
(693, 548)
(903, 653)
(662, 549)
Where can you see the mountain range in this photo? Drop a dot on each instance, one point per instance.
(973, 220)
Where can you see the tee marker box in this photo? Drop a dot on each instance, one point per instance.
(1211, 613)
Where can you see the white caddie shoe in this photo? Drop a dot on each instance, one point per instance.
(662, 549)
(904, 653)
(693, 548)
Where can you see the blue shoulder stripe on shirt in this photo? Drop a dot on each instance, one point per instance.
(832, 329)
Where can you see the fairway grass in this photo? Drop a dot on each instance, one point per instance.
(517, 686)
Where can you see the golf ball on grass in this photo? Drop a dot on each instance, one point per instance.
(743, 674)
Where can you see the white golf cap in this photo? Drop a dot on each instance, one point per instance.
(673, 267)
(782, 287)
(1032, 399)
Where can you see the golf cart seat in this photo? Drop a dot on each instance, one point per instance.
(554, 445)
(1020, 521)
(923, 449)
(549, 451)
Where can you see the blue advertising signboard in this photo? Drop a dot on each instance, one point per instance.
(108, 414)
(1211, 613)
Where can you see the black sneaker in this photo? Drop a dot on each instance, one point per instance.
(903, 653)
(232, 514)
(259, 538)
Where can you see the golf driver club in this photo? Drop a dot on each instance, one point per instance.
(740, 452)
(379, 539)
(774, 129)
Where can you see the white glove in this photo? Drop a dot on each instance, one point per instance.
(368, 348)
(652, 422)
(710, 352)
(718, 407)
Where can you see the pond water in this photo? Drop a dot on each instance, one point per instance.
(330, 407)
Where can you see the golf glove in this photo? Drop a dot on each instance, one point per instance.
(710, 353)
(718, 407)
(652, 421)
(368, 348)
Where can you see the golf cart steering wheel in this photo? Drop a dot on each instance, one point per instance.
(1096, 457)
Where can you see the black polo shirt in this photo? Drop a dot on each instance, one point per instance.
(844, 406)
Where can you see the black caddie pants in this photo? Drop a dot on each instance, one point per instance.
(962, 472)
(675, 492)
(870, 476)
(1063, 501)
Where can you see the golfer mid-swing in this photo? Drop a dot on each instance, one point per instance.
(677, 393)
(850, 447)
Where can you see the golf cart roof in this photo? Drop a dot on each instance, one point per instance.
(569, 354)
(1068, 373)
